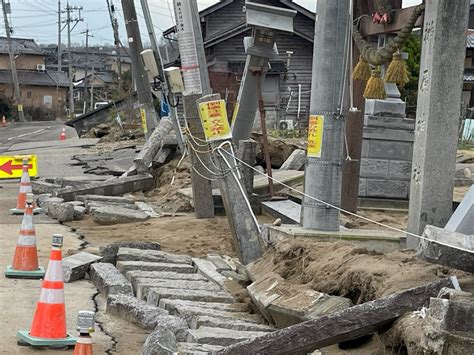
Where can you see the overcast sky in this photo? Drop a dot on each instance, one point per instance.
(38, 18)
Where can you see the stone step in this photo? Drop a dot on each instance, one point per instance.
(157, 256)
(217, 322)
(162, 275)
(125, 266)
(142, 285)
(170, 305)
(108, 280)
(189, 312)
(220, 336)
(196, 349)
(156, 293)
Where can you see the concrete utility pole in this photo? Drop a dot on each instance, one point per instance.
(60, 52)
(437, 115)
(69, 20)
(196, 83)
(159, 61)
(114, 23)
(87, 33)
(141, 77)
(16, 85)
(324, 163)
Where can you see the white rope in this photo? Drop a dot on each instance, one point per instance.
(345, 211)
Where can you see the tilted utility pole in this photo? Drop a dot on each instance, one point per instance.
(141, 77)
(16, 85)
(69, 20)
(60, 52)
(87, 33)
(114, 23)
(196, 84)
(325, 131)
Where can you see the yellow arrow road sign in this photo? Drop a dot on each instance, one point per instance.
(11, 167)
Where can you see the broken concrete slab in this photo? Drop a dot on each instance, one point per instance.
(63, 212)
(133, 310)
(240, 278)
(41, 187)
(168, 332)
(220, 336)
(155, 294)
(149, 210)
(132, 275)
(459, 256)
(79, 212)
(142, 285)
(129, 254)
(109, 215)
(295, 161)
(108, 280)
(40, 199)
(171, 305)
(106, 199)
(196, 349)
(216, 322)
(109, 252)
(125, 266)
(462, 220)
(452, 315)
(338, 327)
(93, 205)
(189, 312)
(111, 187)
(219, 263)
(288, 211)
(76, 266)
(208, 269)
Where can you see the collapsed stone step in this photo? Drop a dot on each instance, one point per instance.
(220, 336)
(171, 305)
(208, 269)
(129, 254)
(163, 275)
(76, 266)
(155, 294)
(142, 285)
(125, 266)
(235, 324)
(135, 311)
(189, 312)
(196, 349)
(109, 252)
(108, 280)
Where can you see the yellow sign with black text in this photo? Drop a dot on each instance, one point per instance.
(11, 167)
(214, 121)
(143, 116)
(315, 136)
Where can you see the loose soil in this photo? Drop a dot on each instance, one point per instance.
(340, 268)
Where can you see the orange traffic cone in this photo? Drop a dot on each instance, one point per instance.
(4, 122)
(49, 322)
(25, 260)
(62, 136)
(85, 326)
(25, 188)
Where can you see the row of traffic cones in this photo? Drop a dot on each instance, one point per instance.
(48, 328)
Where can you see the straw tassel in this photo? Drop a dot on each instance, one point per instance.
(397, 72)
(361, 70)
(375, 88)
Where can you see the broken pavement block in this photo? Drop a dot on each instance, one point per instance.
(76, 266)
(220, 336)
(196, 349)
(155, 294)
(79, 212)
(108, 280)
(41, 187)
(108, 215)
(462, 220)
(125, 266)
(208, 269)
(219, 262)
(164, 275)
(142, 285)
(227, 323)
(129, 254)
(295, 161)
(106, 199)
(171, 305)
(109, 252)
(63, 212)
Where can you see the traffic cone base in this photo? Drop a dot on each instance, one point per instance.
(19, 274)
(24, 338)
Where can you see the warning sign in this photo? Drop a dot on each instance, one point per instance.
(11, 167)
(214, 121)
(315, 135)
(143, 116)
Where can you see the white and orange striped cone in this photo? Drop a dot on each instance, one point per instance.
(4, 122)
(25, 188)
(25, 260)
(49, 322)
(85, 326)
(62, 136)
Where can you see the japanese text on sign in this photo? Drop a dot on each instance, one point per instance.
(315, 136)
(143, 116)
(214, 121)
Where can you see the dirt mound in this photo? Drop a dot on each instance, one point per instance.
(339, 268)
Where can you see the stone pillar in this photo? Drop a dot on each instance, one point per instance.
(437, 116)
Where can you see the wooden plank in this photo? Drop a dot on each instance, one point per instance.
(400, 18)
(341, 326)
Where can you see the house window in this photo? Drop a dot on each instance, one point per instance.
(48, 101)
(28, 95)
